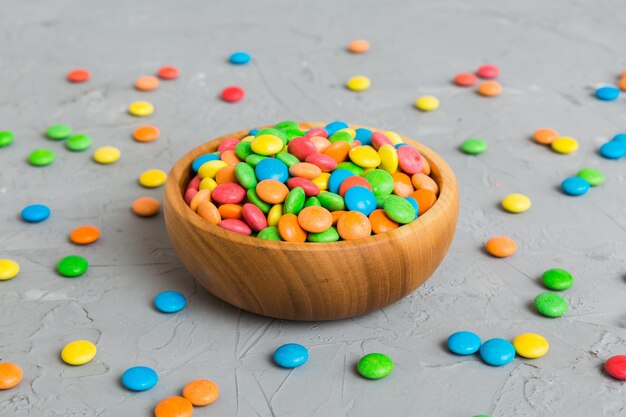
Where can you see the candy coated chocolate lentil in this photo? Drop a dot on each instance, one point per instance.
(239, 58)
(78, 75)
(58, 131)
(169, 301)
(6, 138)
(201, 392)
(361, 199)
(516, 203)
(173, 407)
(8, 269)
(465, 79)
(232, 94)
(10, 375)
(35, 213)
(607, 93)
(474, 146)
(290, 230)
(294, 201)
(575, 186)
(592, 175)
(557, 279)
(375, 366)
(551, 305)
(616, 367)
(531, 345)
(139, 378)
(41, 157)
(497, 352)
(168, 73)
(270, 233)
(291, 355)
(78, 352)
(72, 266)
(464, 343)
(501, 246)
(329, 235)
(229, 192)
(78, 143)
(354, 225)
(399, 210)
(488, 71)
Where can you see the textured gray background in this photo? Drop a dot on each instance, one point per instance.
(550, 54)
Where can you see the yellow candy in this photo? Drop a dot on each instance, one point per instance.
(209, 169)
(427, 103)
(207, 182)
(141, 108)
(564, 145)
(267, 145)
(516, 203)
(78, 352)
(388, 158)
(531, 345)
(365, 156)
(352, 132)
(106, 155)
(8, 269)
(358, 83)
(393, 137)
(322, 181)
(274, 215)
(152, 178)
(248, 138)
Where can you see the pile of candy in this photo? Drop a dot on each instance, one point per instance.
(320, 185)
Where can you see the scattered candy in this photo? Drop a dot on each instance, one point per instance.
(58, 131)
(358, 46)
(10, 375)
(488, 71)
(291, 355)
(557, 279)
(79, 75)
(72, 266)
(139, 378)
(168, 73)
(531, 345)
(146, 206)
(497, 352)
(545, 136)
(575, 186)
(465, 79)
(173, 407)
(358, 83)
(41, 157)
(152, 178)
(146, 133)
(615, 367)
(501, 246)
(141, 108)
(35, 213)
(613, 150)
(170, 302)
(147, 83)
(607, 93)
(6, 138)
(239, 58)
(474, 146)
(8, 269)
(564, 145)
(78, 352)
(375, 366)
(84, 235)
(551, 305)
(78, 143)
(464, 343)
(201, 392)
(593, 176)
(516, 203)
(427, 103)
(232, 94)
(489, 88)
(106, 155)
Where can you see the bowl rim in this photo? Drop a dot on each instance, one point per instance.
(174, 195)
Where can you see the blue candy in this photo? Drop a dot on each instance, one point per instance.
(614, 149)
(336, 178)
(239, 58)
(620, 137)
(199, 161)
(464, 343)
(607, 93)
(271, 169)
(497, 352)
(170, 301)
(139, 378)
(333, 127)
(364, 136)
(575, 186)
(414, 204)
(35, 213)
(360, 199)
(253, 132)
(291, 355)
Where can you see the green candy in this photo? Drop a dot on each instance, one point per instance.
(329, 235)
(72, 266)
(331, 201)
(375, 366)
(352, 167)
(592, 176)
(286, 124)
(381, 182)
(58, 132)
(287, 158)
(293, 133)
(41, 157)
(243, 150)
(294, 203)
(6, 138)
(245, 175)
(254, 159)
(341, 136)
(256, 200)
(399, 210)
(551, 305)
(312, 201)
(270, 233)
(557, 279)
(380, 200)
(474, 146)
(78, 142)
(271, 131)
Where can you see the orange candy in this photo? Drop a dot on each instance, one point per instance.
(336, 215)
(421, 180)
(226, 174)
(146, 206)
(358, 46)
(354, 225)
(290, 229)
(621, 84)
(381, 223)
(425, 166)
(315, 219)
(338, 151)
(146, 133)
(489, 88)
(321, 144)
(402, 185)
(501, 246)
(305, 170)
(354, 181)
(174, 407)
(425, 200)
(85, 235)
(545, 136)
(10, 375)
(200, 197)
(231, 211)
(201, 392)
(230, 157)
(209, 212)
(147, 83)
(272, 191)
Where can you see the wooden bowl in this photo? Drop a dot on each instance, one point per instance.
(310, 281)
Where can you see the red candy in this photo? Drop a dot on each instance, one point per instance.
(616, 367)
(465, 79)
(195, 182)
(324, 162)
(232, 94)
(79, 75)
(301, 148)
(168, 73)
(236, 225)
(488, 71)
(353, 182)
(254, 217)
(190, 194)
(410, 160)
(310, 189)
(379, 139)
(228, 193)
(318, 131)
(228, 145)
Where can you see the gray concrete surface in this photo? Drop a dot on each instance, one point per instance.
(550, 54)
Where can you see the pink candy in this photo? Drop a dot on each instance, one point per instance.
(410, 160)
(324, 162)
(228, 193)
(310, 189)
(301, 148)
(254, 217)
(228, 145)
(379, 139)
(189, 194)
(236, 225)
(488, 71)
(318, 131)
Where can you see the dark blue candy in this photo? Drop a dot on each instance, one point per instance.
(614, 149)
(271, 169)
(170, 301)
(291, 355)
(360, 199)
(464, 343)
(497, 352)
(607, 93)
(139, 378)
(35, 213)
(337, 178)
(239, 58)
(575, 186)
(199, 161)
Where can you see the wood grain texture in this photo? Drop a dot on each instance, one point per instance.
(310, 281)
